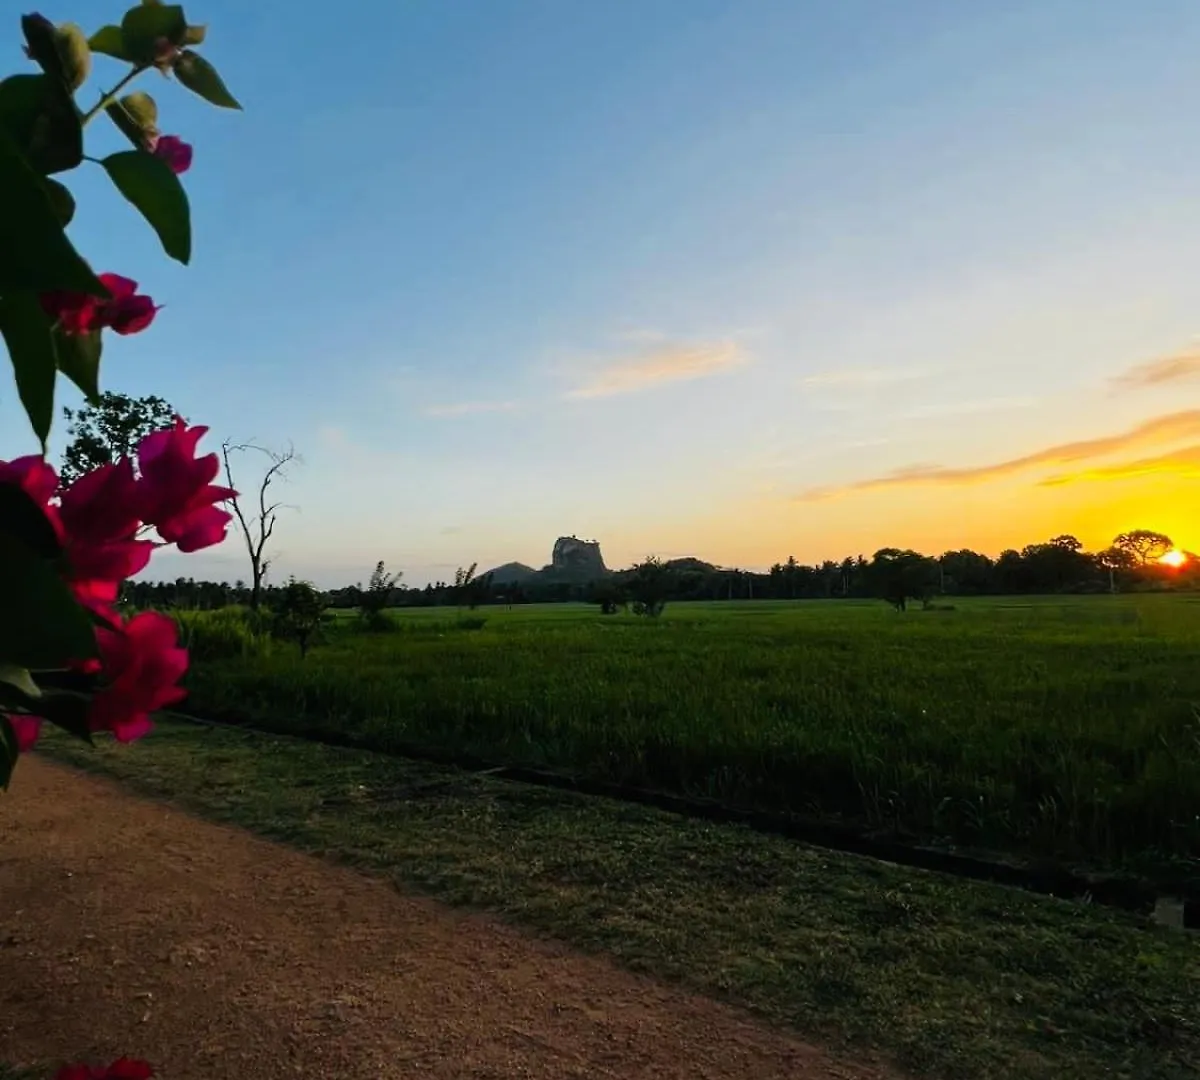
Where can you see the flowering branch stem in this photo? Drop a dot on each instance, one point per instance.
(111, 96)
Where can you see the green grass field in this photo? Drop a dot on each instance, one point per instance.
(1063, 727)
(947, 978)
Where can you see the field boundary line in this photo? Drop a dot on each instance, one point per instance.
(1052, 880)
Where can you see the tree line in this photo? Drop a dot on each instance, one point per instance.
(898, 576)
(109, 428)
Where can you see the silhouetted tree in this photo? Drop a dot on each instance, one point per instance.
(1145, 545)
(298, 613)
(104, 432)
(378, 596)
(899, 576)
(257, 525)
(649, 587)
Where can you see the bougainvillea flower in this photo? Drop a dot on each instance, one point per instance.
(175, 152)
(127, 312)
(75, 313)
(198, 529)
(122, 1069)
(102, 505)
(143, 664)
(177, 495)
(96, 570)
(129, 1069)
(26, 729)
(32, 475)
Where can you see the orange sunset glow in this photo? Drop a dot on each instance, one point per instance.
(1174, 559)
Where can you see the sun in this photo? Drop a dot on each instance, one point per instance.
(1174, 558)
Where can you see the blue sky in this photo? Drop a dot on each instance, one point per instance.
(676, 274)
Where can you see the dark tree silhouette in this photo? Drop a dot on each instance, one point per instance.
(1145, 545)
(899, 576)
(298, 612)
(378, 596)
(257, 525)
(650, 587)
(104, 432)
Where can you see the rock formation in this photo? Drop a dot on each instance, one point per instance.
(572, 560)
(577, 560)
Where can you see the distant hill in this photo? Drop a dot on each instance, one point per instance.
(573, 561)
(691, 563)
(513, 573)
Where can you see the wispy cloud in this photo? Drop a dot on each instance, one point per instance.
(1182, 462)
(862, 378)
(969, 408)
(1181, 367)
(332, 437)
(1157, 431)
(469, 408)
(664, 364)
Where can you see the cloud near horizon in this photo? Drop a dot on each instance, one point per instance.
(1180, 367)
(667, 364)
(1182, 462)
(469, 408)
(1157, 431)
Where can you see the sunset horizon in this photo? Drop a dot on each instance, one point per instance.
(818, 306)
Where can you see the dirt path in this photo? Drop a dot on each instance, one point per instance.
(128, 926)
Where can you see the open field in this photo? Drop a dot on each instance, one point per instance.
(947, 978)
(1052, 727)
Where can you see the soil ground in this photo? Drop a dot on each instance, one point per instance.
(130, 927)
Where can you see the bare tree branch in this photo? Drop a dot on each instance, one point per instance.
(257, 530)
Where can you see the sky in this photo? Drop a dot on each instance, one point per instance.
(739, 280)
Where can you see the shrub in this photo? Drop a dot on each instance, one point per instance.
(224, 634)
(299, 613)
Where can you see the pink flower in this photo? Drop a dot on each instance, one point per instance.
(143, 664)
(175, 152)
(127, 312)
(26, 728)
(102, 505)
(177, 496)
(129, 1069)
(32, 475)
(98, 569)
(100, 522)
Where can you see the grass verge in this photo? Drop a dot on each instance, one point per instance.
(948, 978)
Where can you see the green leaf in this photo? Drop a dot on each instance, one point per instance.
(8, 751)
(61, 200)
(137, 117)
(195, 35)
(144, 27)
(17, 685)
(148, 183)
(199, 76)
(35, 254)
(79, 360)
(43, 625)
(67, 711)
(41, 116)
(109, 41)
(21, 516)
(26, 330)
